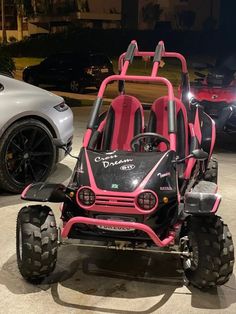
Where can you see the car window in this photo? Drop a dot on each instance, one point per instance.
(50, 61)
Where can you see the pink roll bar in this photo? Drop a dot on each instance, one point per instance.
(165, 54)
(118, 224)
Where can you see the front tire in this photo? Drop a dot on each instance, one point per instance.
(212, 252)
(36, 242)
(27, 154)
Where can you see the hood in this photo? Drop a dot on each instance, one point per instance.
(13, 88)
(121, 171)
(214, 94)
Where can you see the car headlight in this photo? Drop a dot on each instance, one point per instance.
(61, 107)
(146, 200)
(85, 196)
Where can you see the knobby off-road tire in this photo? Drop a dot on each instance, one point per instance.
(36, 242)
(27, 154)
(213, 252)
(211, 173)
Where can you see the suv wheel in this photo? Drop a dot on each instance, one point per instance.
(75, 86)
(27, 154)
(211, 249)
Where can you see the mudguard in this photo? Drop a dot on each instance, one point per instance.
(197, 203)
(44, 192)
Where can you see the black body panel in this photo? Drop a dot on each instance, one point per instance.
(121, 171)
(80, 175)
(200, 203)
(45, 192)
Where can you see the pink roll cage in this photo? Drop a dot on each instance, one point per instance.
(124, 61)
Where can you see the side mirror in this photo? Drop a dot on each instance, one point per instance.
(199, 154)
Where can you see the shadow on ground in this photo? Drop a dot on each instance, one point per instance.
(84, 273)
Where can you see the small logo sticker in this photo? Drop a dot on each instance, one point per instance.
(127, 167)
(115, 186)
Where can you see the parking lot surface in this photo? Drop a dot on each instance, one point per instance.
(104, 281)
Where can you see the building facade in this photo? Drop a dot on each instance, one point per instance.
(57, 15)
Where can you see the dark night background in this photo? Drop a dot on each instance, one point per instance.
(115, 41)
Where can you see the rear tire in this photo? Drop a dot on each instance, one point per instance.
(75, 86)
(36, 242)
(211, 173)
(211, 246)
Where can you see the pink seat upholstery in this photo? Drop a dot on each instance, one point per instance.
(158, 123)
(124, 120)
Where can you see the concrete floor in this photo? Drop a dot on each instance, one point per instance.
(96, 281)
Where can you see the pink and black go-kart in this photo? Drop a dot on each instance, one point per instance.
(135, 187)
(215, 92)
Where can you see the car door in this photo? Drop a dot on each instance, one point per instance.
(64, 68)
(48, 70)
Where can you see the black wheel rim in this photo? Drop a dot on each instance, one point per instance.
(29, 155)
(74, 86)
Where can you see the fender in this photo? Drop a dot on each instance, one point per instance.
(44, 192)
(197, 203)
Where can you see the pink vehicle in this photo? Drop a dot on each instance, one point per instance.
(215, 92)
(136, 188)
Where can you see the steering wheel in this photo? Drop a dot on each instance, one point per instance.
(148, 141)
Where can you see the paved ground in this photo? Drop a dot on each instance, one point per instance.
(95, 281)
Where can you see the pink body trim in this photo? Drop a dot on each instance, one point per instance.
(191, 162)
(197, 127)
(213, 138)
(216, 205)
(87, 137)
(118, 224)
(155, 69)
(26, 189)
(124, 68)
(121, 62)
